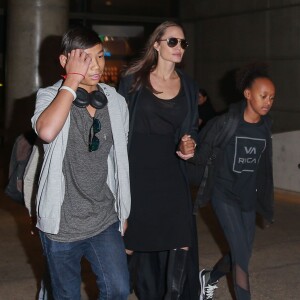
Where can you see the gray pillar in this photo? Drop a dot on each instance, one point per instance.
(33, 29)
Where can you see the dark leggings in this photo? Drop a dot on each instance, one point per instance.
(239, 229)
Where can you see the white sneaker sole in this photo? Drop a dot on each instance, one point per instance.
(202, 284)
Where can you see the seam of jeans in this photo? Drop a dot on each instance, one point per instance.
(101, 267)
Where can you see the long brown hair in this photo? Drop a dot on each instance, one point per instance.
(142, 67)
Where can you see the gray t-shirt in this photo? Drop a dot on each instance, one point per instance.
(88, 206)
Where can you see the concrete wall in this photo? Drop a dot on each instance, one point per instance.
(227, 34)
(286, 160)
(34, 30)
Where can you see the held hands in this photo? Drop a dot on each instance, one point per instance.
(186, 147)
(77, 64)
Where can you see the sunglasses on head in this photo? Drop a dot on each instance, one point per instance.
(172, 42)
(94, 142)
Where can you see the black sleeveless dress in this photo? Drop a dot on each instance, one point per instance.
(160, 218)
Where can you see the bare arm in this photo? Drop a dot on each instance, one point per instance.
(53, 118)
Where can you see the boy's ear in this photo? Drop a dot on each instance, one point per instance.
(247, 93)
(63, 60)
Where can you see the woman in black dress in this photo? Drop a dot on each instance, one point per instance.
(161, 235)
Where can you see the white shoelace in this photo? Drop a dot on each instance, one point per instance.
(209, 290)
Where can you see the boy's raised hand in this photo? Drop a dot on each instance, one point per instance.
(77, 64)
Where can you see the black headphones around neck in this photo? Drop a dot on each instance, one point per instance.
(97, 98)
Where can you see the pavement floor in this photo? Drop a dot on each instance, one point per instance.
(274, 268)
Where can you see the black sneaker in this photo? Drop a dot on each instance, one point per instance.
(207, 289)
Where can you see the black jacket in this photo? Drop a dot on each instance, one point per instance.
(190, 124)
(212, 141)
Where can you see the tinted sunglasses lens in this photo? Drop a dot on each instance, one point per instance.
(172, 42)
(96, 125)
(94, 141)
(94, 145)
(184, 44)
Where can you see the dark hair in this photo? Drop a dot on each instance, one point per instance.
(142, 67)
(247, 75)
(79, 38)
(203, 92)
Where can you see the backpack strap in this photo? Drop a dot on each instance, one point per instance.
(228, 129)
